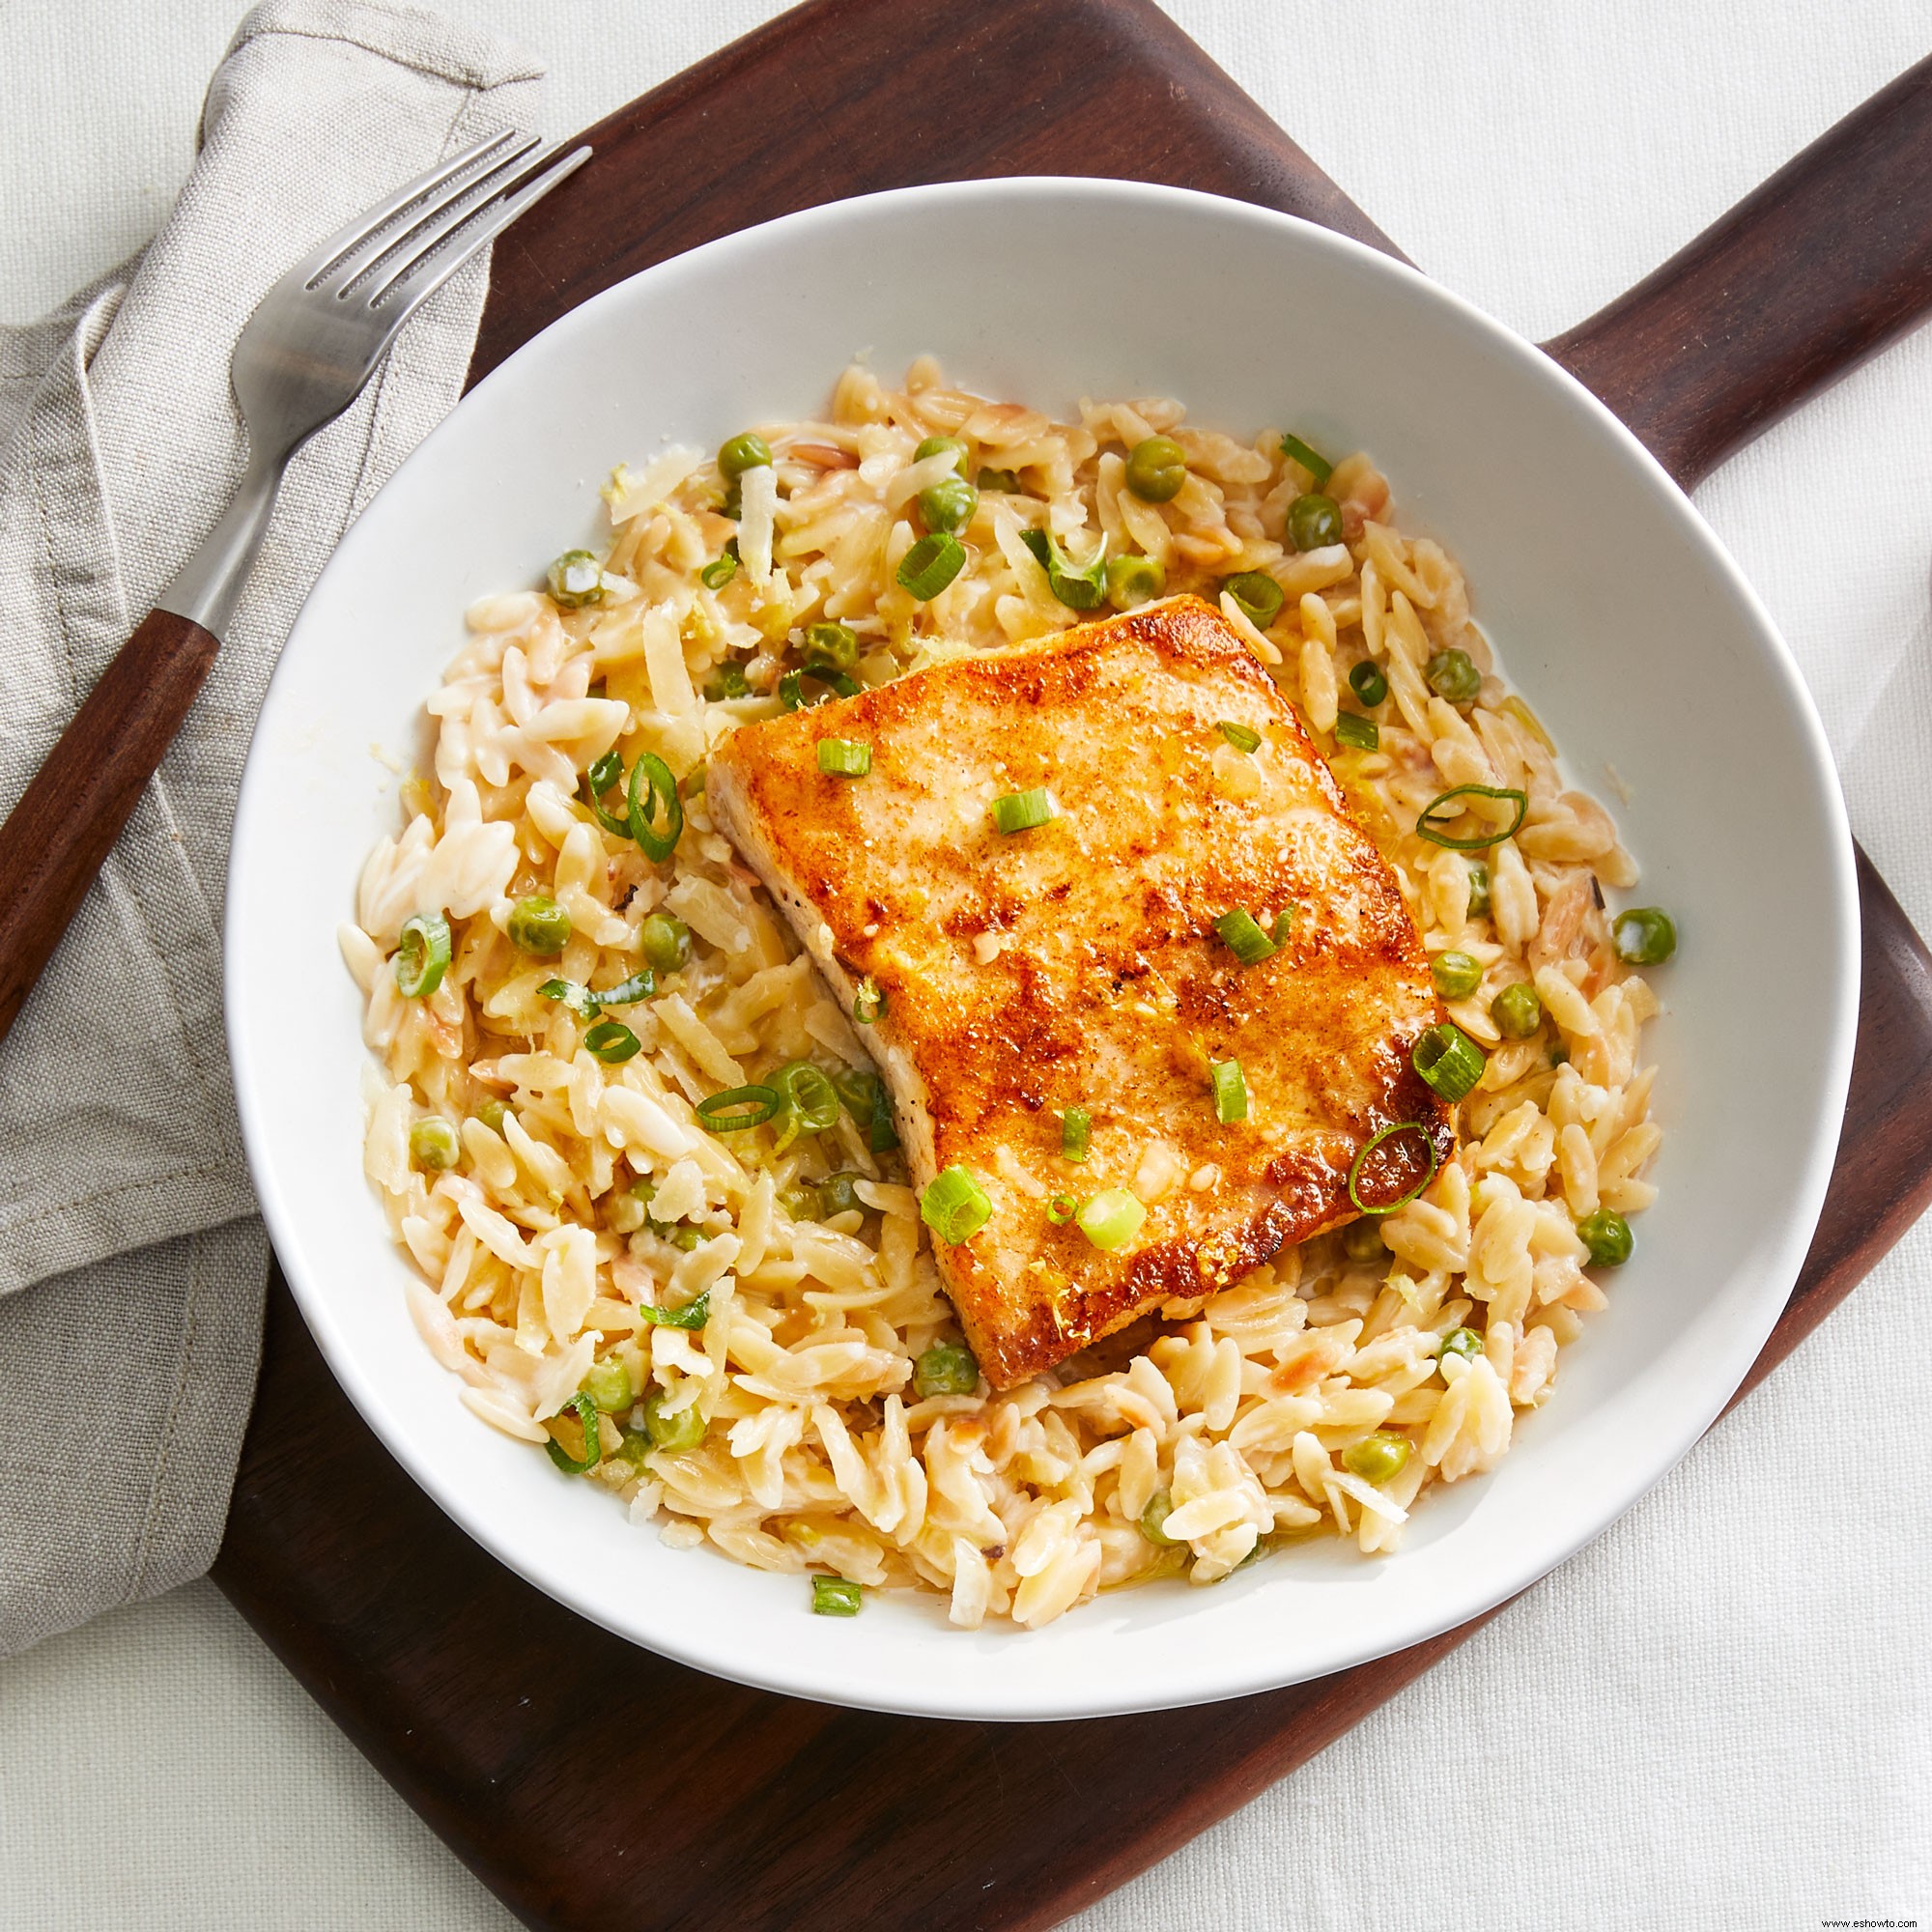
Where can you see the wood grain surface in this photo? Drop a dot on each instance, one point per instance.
(737, 1808)
(60, 832)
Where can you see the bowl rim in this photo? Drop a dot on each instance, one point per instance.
(963, 1695)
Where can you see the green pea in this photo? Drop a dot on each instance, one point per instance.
(1134, 581)
(801, 1201)
(1479, 892)
(682, 1429)
(491, 1113)
(1367, 682)
(682, 1234)
(1006, 481)
(1314, 521)
(1453, 676)
(938, 446)
(577, 579)
(607, 1384)
(947, 1367)
(949, 504)
(838, 1194)
(1644, 936)
(1456, 975)
(433, 1145)
(1559, 1053)
(1362, 1240)
(1153, 1519)
(1156, 469)
(539, 925)
(1376, 1458)
(1517, 1010)
(1462, 1342)
(665, 942)
(635, 1447)
(749, 451)
(835, 645)
(1256, 596)
(1607, 1236)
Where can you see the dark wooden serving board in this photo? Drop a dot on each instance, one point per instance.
(734, 1809)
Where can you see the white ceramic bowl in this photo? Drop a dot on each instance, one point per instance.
(1618, 614)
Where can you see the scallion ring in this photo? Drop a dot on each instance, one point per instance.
(1076, 1133)
(1080, 588)
(1111, 1218)
(642, 984)
(653, 789)
(581, 1000)
(1369, 1148)
(1231, 1092)
(586, 1411)
(1239, 735)
(1025, 810)
(845, 757)
(1428, 827)
(612, 1043)
(954, 1207)
(739, 1107)
(1358, 733)
(722, 569)
(1243, 937)
(868, 1001)
(1062, 1208)
(1449, 1059)
(809, 1096)
(692, 1315)
(931, 564)
(1319, 468)
(839, 683)
(423, 956)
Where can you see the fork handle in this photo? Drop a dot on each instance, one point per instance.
(67, 820)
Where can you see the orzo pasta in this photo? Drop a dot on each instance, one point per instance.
(738, 1329)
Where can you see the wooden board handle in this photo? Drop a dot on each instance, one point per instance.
(1825, 265)
(60, 833)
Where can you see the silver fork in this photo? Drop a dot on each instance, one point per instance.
(315, 339)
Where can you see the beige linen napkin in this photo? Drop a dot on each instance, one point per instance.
(130, 1265)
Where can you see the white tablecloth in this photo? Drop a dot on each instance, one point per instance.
(1716, 1718)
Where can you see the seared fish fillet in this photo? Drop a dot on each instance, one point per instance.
(1078, 965)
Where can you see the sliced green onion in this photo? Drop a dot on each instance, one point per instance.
(1283, 928)
(612, 1043)
(1427, 826)
(1078, 587)
(838, 1194)
(1359, 733)
(1025, 810)
(1076, 1132)
(1367, 682)
(607, 772)
(1448, 1059)
(1111, 1218)
(1463, 1342)
(954, 1207)
(653, 788)
(931, 564)
(1478, 893)
(576, 578)
(947, 1367)
(1239, 735)
(808, 1095)
(722, 568)
(692, 1316)
(641, 985)
(1452, 676)
(1248, 943)
(581, 1000)
(881, 1135)
(845, 757)
(1256, 596)
(434, 1145)
(868, 1001)
(423, 956)
(726, 682)
(1456, 974)
(1644, 936)
(1369, 1148)
(1231, 1092)
(837, 682)
(737, 1108)
(586, 1411)
(1062, 1208)
(835, 1597)
(674, 1430)
(863, 1093)
(1319, 468)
